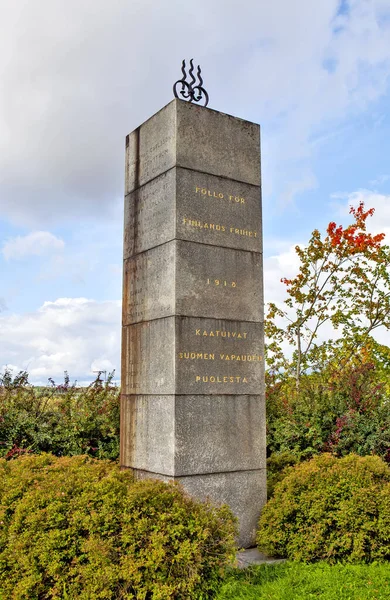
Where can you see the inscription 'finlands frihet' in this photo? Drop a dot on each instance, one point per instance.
(219, 227)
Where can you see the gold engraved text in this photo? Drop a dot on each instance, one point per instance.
(222, 283)
(196, 355)
(211, 356)
(202, 225)
(220, 333)
(245, 232)
(220, 379)
(241, 357)
(213, 194)
(219, 227)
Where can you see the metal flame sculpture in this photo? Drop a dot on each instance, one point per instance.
(189, 91)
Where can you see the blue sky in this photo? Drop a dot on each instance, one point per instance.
(76, 77)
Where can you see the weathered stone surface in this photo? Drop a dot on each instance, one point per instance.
(213, 142)
(217, 211)
(244, 491)
(192, 356)
(218, 282)
(192, 279)
(148, 357)
(219, 433)
(215, 356)
(151, 148)
(149, 285)
(193, 137)
(207, 209)
(148, 433)
(189, 435)
(150, 215)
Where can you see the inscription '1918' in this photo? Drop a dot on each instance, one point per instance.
(222, 283)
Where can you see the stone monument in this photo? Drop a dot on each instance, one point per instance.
(192, 405)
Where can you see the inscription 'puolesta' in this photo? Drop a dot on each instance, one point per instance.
(220, 379)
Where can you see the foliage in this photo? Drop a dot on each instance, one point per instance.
(330, 509)
(277, 466)
(295, 581)
(63, 419)
(79, 528)
(344, 281)
(332, 411)
(332, 395)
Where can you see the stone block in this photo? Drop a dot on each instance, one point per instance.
(148, 357)
(189, 435)
(151, 148)
(193, 137)
(149, 285)
(219, 434)
(217, 211)
(215, 356)
(150, 215)
(194, 280)
(192, 356)
(214, 282)
(188, 205)
(216, 143)
(148, 433)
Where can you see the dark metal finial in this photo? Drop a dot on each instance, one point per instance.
(189, 91)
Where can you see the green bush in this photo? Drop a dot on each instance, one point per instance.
(64, 419)
(79, 528)
(278, 465)
(342, 413)
(330, 508)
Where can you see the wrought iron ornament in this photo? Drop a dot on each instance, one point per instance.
(189, 91)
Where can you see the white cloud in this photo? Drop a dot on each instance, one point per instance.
(72, 88)
(71, 334)
(380, 221)
(379, 180)
(284, 264)
(36, 243)
(293, 188)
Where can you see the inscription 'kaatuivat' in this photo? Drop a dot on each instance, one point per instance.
(221, 333)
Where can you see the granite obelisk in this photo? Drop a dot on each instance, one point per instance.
(192, 406)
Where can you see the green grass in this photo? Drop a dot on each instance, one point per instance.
(299, 581)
